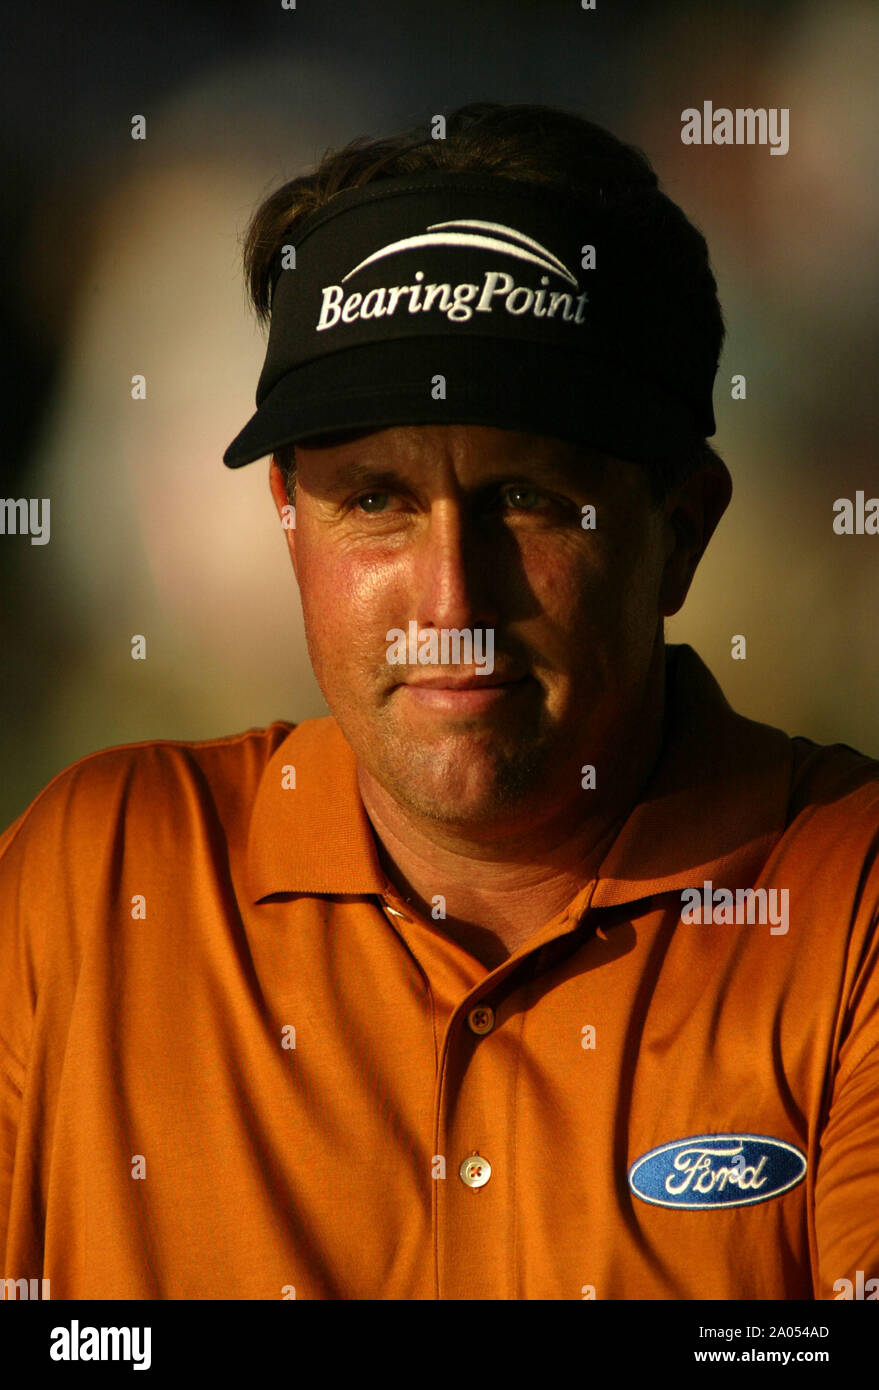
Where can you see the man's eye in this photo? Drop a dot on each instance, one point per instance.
(520, 498)
(372, 502)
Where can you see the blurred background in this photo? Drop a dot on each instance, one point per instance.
(123, 256)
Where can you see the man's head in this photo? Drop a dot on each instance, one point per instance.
(473, 516)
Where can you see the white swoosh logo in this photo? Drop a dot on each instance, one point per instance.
(510, 232)
(545, 259)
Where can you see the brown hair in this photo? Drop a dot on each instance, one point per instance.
(536, 143)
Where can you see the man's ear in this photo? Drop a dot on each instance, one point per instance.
(692, 512)
(286, 511)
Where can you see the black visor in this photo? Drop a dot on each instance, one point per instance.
(474, 299)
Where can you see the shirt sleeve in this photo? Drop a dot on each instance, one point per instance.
(847, 1184)
(17, 1001)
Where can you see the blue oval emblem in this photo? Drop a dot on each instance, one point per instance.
(717, 1170)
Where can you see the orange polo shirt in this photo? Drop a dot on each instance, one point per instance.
(234, 1064)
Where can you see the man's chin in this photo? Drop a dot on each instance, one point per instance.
(465, 786)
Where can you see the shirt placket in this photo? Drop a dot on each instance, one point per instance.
(476, 1148)
(475, 1166)
(478, 1161)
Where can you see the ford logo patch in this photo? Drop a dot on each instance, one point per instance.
(717, 1170)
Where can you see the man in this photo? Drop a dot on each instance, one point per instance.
(534, 971)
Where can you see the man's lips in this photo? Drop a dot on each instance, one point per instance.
(464, 694)
(462, 682)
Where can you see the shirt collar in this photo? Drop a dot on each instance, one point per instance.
(713, 807)
(314, 836)
(715, 804)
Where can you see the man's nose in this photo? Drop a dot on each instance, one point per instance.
(451, 582)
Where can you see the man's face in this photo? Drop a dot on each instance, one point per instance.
(471, 527)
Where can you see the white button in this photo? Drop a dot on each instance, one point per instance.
(481, 1019)
(475, 1171)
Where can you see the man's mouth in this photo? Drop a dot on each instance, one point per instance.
(465, 681)
(465, 693)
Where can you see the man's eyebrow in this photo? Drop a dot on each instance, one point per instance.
(352, 474)
(566, 473)
(559, 472)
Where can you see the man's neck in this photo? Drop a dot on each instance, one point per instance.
(497, 893)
